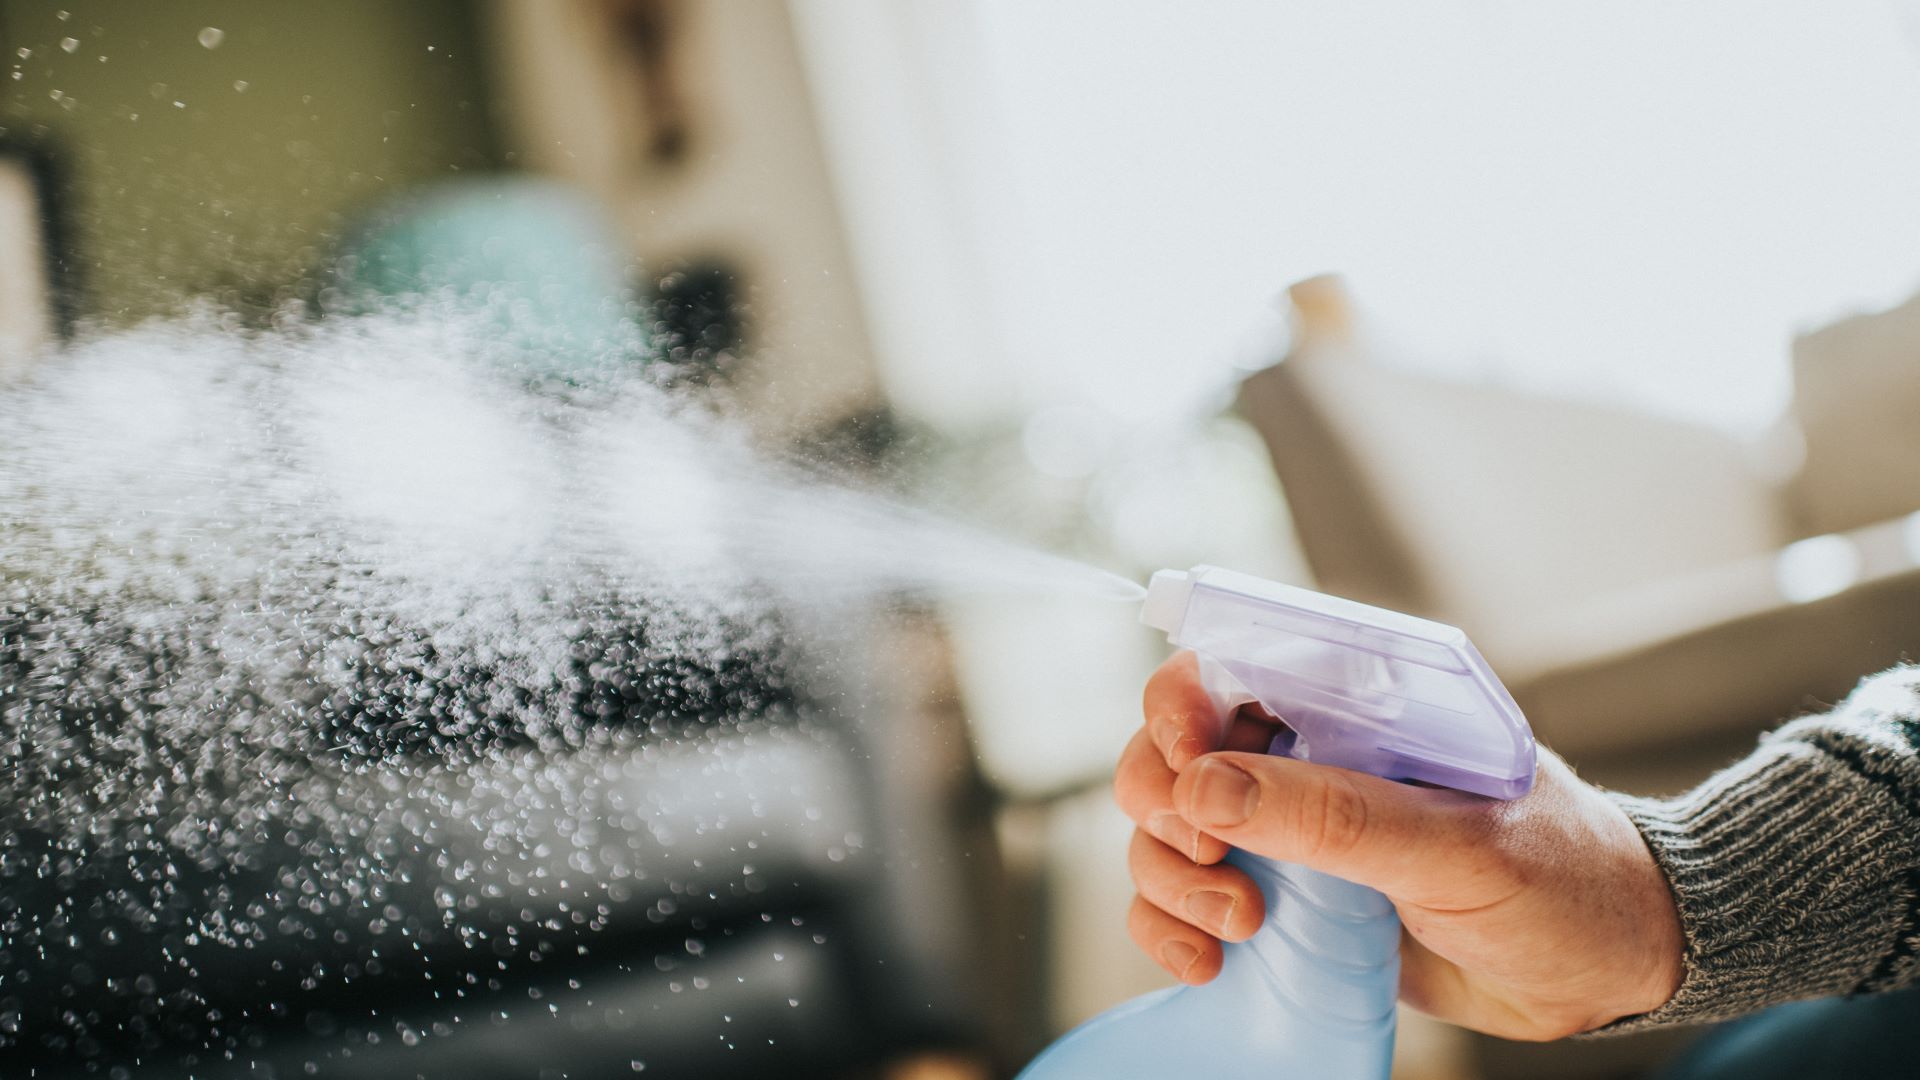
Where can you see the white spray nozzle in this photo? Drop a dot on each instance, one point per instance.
(1166, 605)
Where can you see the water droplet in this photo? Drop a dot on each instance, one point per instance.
(211, 37)
(370, 652)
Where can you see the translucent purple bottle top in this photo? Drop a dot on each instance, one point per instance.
(1357, 687)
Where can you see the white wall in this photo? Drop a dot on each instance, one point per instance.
(1624, 199)
(25, 321)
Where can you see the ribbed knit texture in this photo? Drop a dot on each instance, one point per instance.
(1797, 870)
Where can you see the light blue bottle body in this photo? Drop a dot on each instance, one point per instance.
(1309, 997)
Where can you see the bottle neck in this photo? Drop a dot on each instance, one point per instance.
(1328, 947)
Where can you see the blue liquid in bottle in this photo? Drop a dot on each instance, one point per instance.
(1311, 995)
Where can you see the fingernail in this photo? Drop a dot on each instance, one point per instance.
(1172, 830)
(1213, 909)
(1178, 956)
(1222, 795)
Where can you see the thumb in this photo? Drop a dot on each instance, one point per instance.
(1423, 845)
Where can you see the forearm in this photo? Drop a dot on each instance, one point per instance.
(1797, 871)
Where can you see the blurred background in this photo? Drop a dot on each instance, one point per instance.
(1583, 326)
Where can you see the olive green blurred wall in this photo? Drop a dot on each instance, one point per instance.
(228, 170)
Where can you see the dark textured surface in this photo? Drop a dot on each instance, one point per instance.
(361, 850)
(352, 696)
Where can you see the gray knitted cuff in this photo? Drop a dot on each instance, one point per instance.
(1794, 871)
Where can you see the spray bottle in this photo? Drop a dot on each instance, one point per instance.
(1311, 995)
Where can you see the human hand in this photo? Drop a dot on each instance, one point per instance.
(1530, 919)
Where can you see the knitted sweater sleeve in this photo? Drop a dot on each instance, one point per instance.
(1797, 871)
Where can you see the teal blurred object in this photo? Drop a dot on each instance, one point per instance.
(541, 262)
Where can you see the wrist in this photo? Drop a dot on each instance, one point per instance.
(1661, 944)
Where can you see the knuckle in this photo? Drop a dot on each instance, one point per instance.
(1134, 788)
(1141, 864)
(1332, 817)
(1142, 925)
(1137, 925)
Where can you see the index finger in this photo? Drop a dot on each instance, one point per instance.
(1181, 719)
